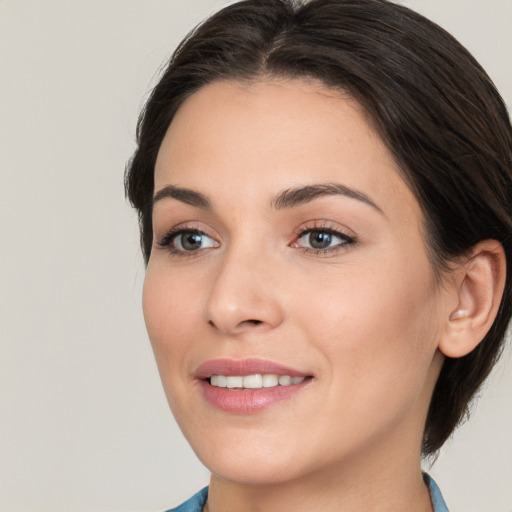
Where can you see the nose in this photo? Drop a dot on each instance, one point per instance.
(244, 295)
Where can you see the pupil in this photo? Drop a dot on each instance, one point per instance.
(319, 239)
(191, 241)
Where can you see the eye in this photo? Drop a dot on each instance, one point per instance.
(184, 241)
(322, 240)
(319, 240)
(192, 241)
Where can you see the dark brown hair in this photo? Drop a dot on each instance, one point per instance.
(431, 102)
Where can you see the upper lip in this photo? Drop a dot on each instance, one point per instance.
(243, 367)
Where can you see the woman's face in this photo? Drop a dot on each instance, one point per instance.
(287, 248)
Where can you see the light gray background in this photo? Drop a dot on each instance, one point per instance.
(84, 425)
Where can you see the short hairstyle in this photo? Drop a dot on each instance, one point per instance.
(432, 104)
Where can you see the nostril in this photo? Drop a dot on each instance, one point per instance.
(235, 327)
(247, 323)
(253, 322)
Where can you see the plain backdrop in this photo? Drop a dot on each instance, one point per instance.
(84, 424)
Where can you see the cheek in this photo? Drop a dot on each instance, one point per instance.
(171, 305)
(378, 328)
(170, 311)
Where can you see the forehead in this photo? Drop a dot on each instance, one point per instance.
(270, 135)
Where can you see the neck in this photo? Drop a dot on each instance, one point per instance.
(383, 489)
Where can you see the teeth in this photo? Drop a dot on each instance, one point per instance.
(253, 381)
(285, 380)
(270, 381)
(234, 382)
(256, 381)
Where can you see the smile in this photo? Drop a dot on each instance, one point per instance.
(248, 386)
(256, 381)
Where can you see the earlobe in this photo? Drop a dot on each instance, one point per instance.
(479, 285)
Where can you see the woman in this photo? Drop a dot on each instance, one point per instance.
(324, 192)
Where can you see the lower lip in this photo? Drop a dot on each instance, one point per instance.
(249, 401)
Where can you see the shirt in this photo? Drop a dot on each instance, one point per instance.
(196, 503)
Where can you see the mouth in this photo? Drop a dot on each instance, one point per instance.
(255, 381)
(250, 385)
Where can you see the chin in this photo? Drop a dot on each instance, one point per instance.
(250, 472)
(253, 461)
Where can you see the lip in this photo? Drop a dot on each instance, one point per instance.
(247, 401)
(244, 367)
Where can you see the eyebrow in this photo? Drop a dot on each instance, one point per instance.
(293, 197)
(185, 195)
(289, 198)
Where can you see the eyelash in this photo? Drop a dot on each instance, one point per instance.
(167, 241)
(323, 227)
(346, 240)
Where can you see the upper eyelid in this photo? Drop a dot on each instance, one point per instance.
(190, 225)
(324, 225)
(332, 231)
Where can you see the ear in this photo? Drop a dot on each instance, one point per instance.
(478, 288)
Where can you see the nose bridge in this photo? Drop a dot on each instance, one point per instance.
(242, 296)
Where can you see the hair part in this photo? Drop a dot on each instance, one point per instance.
(432, 104)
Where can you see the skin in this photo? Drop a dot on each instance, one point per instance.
(365, 319)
